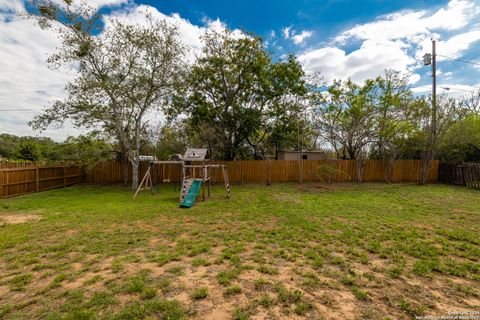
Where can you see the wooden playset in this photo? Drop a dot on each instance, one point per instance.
(195, 176)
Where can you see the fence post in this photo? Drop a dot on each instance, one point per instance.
(267, 165)
(1, 183)
(37, 179)
(241, 171)
(64, 176)
(300, 168)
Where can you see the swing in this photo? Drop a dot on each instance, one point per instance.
(190, 185)
(166, 180)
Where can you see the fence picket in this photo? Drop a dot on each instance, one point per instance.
(276, 171)
(467, 174)
(17, 180)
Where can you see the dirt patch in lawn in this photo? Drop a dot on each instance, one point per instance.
(19, 218)
(286, 197)
(3, 291)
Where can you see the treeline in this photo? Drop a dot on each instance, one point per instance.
(233, 98)
(85, 149)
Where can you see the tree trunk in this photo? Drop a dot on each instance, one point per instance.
(351, 153)
(389, 174)
(426, 163)
(360, 170)
(228, 153)
(135, 154)
(125, 169)
(135, 163)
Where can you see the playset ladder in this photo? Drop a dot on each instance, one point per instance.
(191, 196)
(187, 183)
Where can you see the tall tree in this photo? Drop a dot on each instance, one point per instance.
(345, 118)
(397, 115)
(125, 72)
(446, 114)
(284, 108)
(471, 102)
(236, 91)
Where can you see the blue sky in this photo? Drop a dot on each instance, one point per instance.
(324, 17)
(339, 39)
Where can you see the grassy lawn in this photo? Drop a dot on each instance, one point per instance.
(308, 251)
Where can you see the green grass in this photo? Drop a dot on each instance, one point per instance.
(200, 293)
(393, 251)
(233, 290)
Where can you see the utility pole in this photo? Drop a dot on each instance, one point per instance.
(427, 60)
(429, 153)
(434, 93)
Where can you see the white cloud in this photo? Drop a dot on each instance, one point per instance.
(456, 15)
(11, 6)
(27, 83)
(370, 60)
(299, 38)
(396, 41)
(411, 24)
(457, 44)
(191, 33)
(286, 32)
(95, 4)
(105, 3)
(25, 80)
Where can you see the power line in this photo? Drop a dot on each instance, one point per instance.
(38, 92)
(461, 60)
(35, 81)
(457, 89)
(11, 110)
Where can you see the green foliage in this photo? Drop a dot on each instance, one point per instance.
(346, 117)
(83, 148)
(240, 97)
(125, 72)
(28, 150)
(462, 141)
(327, 173)
(172, 140)
(86, 149)
(397, 114)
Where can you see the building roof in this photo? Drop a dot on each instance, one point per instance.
(195, 154)
(306, 151)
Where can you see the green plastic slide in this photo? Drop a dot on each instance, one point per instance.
(189, 200)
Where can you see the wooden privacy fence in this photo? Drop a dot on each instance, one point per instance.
(18, 181)
(274, 171)
(467, 174)
(12, 165)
